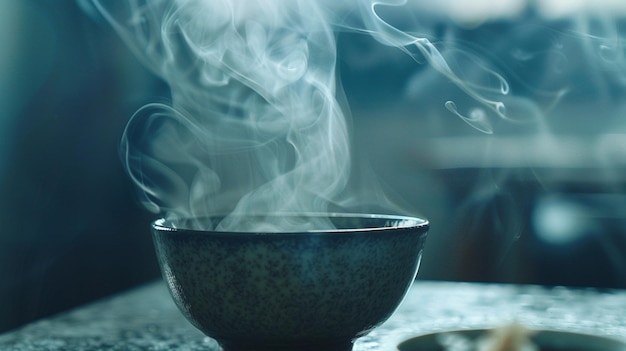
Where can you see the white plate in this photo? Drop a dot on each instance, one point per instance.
(545, 340)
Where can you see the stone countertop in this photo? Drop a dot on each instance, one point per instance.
(147, 319)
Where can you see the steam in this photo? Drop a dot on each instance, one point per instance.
(254, 124)
(257, 121)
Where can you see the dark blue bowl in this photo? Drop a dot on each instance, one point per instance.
(310, 290)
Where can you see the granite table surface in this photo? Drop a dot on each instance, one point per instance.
(146, 318)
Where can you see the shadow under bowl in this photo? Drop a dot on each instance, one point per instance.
(310, 290)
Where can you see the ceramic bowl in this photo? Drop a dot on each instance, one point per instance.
(311, 290)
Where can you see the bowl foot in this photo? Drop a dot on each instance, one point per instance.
(247, 346)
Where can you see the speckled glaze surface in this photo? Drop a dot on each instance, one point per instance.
(286, 290)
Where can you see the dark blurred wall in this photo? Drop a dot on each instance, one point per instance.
(70, 230)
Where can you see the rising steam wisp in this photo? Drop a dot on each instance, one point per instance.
(255, 124)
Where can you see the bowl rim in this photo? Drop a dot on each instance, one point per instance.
(412, 223)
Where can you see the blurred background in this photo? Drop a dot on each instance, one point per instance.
(539, 198)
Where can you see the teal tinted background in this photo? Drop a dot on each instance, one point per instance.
(537, 201)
